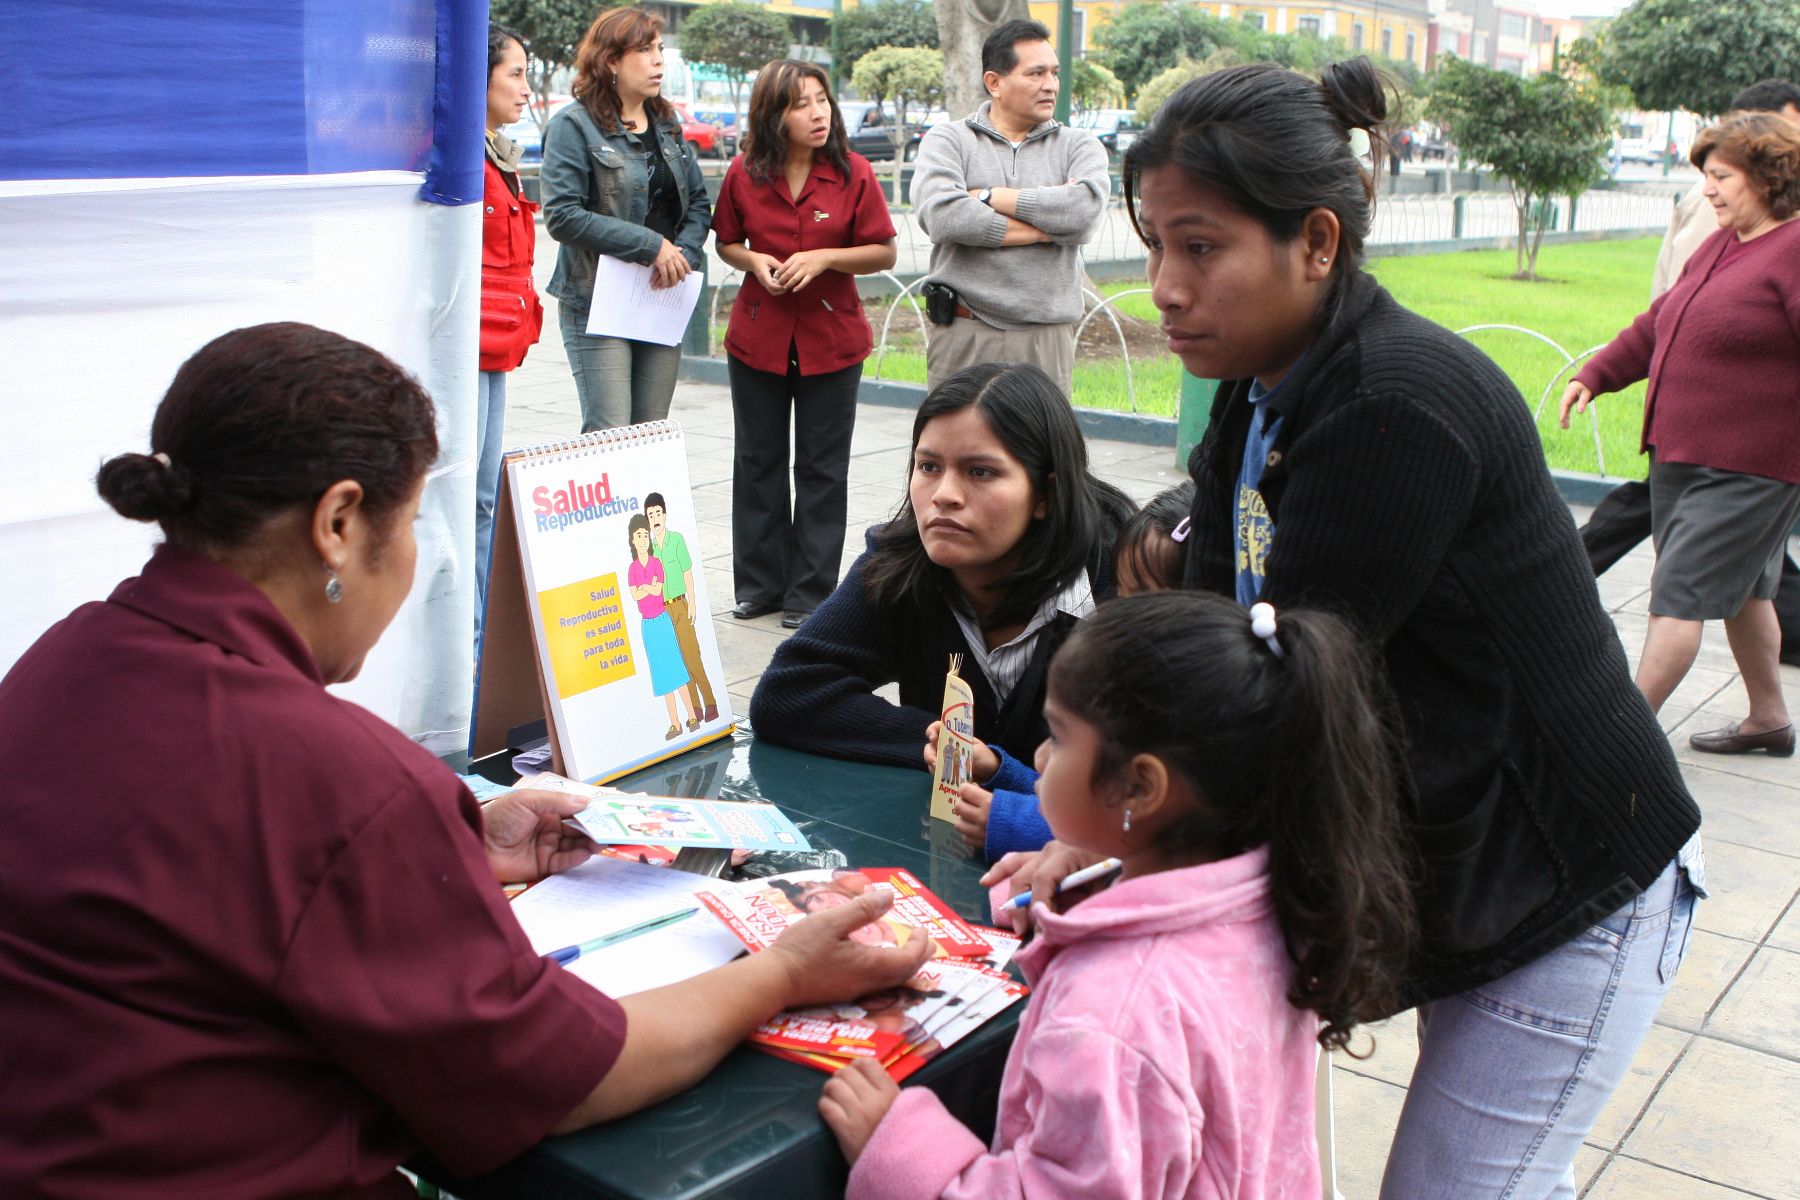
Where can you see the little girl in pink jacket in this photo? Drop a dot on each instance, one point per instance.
(1243, 774)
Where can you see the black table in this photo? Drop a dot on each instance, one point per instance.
(751, 1128)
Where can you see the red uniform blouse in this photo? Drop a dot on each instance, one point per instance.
(824, 320)
(249, 941)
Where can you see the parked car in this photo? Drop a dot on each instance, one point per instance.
(1113, 126)
(704, 136)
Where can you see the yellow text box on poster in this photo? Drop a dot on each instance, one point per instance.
(584, 625)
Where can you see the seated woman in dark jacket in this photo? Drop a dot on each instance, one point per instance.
(1003, 542)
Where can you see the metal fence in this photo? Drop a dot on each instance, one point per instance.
(1399, 220)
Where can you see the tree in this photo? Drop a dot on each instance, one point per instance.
(1093, 86)
(1146, 39)
(962, 26)
(882, 23)
(1157, 90)
(552, 29)
(906, 76)
(1546, 137)
(739, 39)
(1696, 54)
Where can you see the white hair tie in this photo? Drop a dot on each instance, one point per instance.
(1359, 143)
(1262, 624)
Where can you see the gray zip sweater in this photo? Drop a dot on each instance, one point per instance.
(1062, 177)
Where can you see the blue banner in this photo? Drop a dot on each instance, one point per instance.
(128, 89)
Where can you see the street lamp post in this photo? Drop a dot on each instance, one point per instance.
(1065, 53)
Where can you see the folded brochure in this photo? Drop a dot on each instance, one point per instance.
(614, 818)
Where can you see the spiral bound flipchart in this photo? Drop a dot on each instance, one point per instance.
(597, 619)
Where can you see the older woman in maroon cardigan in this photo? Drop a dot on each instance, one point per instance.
(1722, 352)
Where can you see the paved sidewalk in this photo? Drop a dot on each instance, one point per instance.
(1709, 1109)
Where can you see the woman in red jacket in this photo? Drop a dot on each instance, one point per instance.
(1722, 352)
(800, 215)
(511, 314)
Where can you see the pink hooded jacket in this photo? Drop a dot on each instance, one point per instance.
(1158, 1057)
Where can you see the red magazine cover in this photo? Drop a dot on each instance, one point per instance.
(758, 911)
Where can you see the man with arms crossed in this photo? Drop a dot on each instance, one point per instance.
(1008, 196)
(678, 592)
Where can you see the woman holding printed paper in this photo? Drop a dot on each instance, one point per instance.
(181, 946)
(620, 181)
(800, 215)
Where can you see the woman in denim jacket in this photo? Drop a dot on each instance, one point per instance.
(619, 180)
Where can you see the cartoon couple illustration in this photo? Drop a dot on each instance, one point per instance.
(661, 579)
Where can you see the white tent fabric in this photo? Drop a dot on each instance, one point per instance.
(108, 285)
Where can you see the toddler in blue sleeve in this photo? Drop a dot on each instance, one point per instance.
(1000, 814)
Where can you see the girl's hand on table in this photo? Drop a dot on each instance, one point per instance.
(853, 1103)
(971, 808)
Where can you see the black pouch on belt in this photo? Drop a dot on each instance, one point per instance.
(940, 303)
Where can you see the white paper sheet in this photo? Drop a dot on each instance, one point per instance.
(605, 894)
(625, 305)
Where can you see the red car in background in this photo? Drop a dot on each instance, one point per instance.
(703, 136)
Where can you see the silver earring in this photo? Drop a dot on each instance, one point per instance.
(1126, 827)
(1324, 260)
(334, 587)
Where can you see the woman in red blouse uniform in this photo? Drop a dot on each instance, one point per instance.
(511, 313)
(252, 939)
(800, 216)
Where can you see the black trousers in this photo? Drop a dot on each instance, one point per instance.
(786, 553)
(1622, 519)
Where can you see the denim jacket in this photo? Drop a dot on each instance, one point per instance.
(596, 190)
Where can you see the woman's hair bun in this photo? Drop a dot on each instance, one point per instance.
(144, 488)
(1356, 93)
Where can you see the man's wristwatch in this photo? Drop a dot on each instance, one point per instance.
(986, 196)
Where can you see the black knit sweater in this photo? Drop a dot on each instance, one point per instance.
(1409, 493)
(817, 693)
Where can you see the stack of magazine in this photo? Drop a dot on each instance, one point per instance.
(963, 984)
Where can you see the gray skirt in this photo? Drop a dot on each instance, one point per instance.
(1719, 536)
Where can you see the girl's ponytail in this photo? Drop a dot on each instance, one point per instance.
(1290, 744)
(1337, 853)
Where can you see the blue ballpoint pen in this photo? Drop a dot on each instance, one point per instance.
(569, 954)
(1085, 875)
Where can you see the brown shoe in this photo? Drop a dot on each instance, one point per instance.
(693, 723)
(712, 714)
(674, 732)
(1778, 743)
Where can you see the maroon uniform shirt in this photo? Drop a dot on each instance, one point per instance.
(249, 941)
(824, 320)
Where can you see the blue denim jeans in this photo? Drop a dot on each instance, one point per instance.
(490, 436)
(619, 381)
(1512, 1075)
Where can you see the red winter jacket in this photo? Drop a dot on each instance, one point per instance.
(511, 314)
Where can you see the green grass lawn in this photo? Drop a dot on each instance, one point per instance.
(1591, 291)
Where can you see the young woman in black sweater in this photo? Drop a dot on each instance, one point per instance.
(1003, 542)
(1362, 459)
